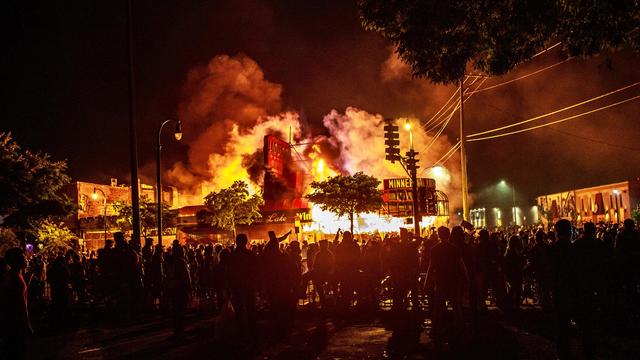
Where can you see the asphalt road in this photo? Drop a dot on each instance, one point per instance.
(315, 335)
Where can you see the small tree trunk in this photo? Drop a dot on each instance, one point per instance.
(233, 225)
(351, 220)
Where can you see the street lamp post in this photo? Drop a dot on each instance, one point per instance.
(178, 135)
(104, 197)
(513, 201)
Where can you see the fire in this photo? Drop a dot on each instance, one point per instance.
(229, 107)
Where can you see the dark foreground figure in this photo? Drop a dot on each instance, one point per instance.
(568, 292)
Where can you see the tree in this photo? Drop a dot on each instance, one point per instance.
(30, 184)
(438, 39)
(55, 236)
(635, 214)
(347, 195)
(233, 206)
(148, 218)
(8, 240)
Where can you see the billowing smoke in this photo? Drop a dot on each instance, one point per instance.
(224, 100)
(229, 107)
(359, 136)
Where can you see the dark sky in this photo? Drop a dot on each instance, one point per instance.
(64, 85)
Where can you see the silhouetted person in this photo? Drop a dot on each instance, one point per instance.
(179, 288)
(14, 316)
(541, 267)
(59, 279)
(486, 254)
(155, 275)
(294, 253)
(372, 267)
(347, 260)
(404, 272)
(448, 274)
(278, 278)
(513, 265)
(323, 267)
(627, 254)
(78, 277)
(590, 266)
(563, 284)
(241, 275)
(278, 239)
(209, 261)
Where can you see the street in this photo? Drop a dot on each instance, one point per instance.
(315, 337)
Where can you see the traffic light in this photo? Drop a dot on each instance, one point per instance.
(392, 141)
(427, 201)
(412, 162)
(422, 200)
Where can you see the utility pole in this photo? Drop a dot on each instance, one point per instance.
(133, 145)
(513, 205)
(463, 158)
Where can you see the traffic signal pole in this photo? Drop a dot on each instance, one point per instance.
(410, 165)
(413, 172)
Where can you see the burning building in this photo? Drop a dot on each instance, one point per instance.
(234, 123)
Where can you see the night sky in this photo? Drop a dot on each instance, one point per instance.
(65, 87)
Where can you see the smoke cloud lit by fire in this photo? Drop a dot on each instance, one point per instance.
(228, 107)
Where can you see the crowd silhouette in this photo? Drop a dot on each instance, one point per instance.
(583, 276)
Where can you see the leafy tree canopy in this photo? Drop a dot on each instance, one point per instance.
(30, 184)
(438, 39)
(347, 195)
(233, 206)
(148, 218)
(55, 236)
(8, 240)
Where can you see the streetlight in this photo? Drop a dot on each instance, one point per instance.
(407, 127)
(513, 200)
(104, 196)
(178, 135)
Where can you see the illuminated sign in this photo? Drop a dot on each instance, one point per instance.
(405, 183)
(398, 198)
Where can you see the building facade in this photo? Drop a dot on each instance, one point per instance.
(609, 203)
(94, 206)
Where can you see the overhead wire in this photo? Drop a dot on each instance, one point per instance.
(523, 76)
(545, 50)
(555, 111)
(444, 157)
(555, 121)
(444, 125)
(446, 107)
(592, 140)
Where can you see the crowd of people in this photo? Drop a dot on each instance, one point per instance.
(575, 273)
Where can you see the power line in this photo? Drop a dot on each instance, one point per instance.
(523, 76)
(444, 157)
(435, 137)
(555, 111)
(556, 121)
(592, 140)
(434, 119)
(449, 110)
(545, 50)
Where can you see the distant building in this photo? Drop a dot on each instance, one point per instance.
(491, 217)
(609, 203)
(87, 221)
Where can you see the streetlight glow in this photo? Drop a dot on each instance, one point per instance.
(407, 127)
(94, 196)
(178, 133)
